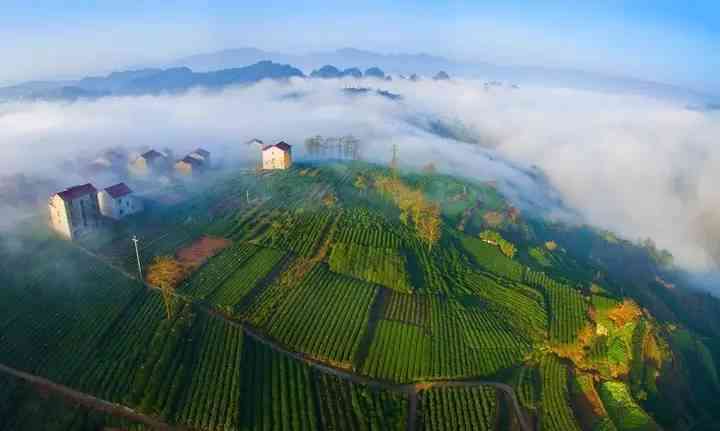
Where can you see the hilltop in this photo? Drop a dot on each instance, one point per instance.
(353, 296)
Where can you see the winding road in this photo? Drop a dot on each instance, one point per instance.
(89, 401)
(411, 390)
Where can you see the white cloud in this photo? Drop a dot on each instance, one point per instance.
(638, 166)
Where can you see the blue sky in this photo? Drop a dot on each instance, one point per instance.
(662, 40)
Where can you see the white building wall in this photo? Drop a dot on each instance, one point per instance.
(118, 208)
(274, 158)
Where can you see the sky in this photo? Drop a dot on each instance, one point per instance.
(660, 40)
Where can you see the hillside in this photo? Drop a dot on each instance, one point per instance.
(149, 81)
(350, 296)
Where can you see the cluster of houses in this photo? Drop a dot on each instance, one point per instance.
(158, 163)
(78, 210)
(81, 209)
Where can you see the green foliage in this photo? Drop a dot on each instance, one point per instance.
(399, 352)
(524, 308)
(325, 315)
(556, 412)
(625, 413)
(275, 391)
(527, 386)
(490, 258)
(568, 311)
(213, 274)
(462, 408)
(541, 256)
(244, 278)
(25, 408)
(346, 406)
(381, 266)
(493, 237)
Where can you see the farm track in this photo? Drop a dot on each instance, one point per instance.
(89, 401)
(411, 390)
(376, 313)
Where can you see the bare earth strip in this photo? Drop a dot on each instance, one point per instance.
(89, 401)
(411, 390)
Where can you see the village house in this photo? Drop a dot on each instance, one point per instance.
(118, 201)
(75, 211)
(202, 155)
(256, 143)
(189, 166)
(277, 156)
(151, 162)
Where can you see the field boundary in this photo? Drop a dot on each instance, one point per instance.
(412, 390)
(90, 401)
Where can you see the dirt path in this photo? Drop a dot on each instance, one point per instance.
(411, 390)
(89, 400)
(412, 411)
(376, 313)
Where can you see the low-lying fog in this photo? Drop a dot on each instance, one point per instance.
(638, 166)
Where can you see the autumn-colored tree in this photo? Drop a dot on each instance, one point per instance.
(166, 273)
(413, 206)
(428, 224)
(329, 199)
(360, 182)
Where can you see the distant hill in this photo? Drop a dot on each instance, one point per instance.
(228, 67)
(149, 81)
(429, 65)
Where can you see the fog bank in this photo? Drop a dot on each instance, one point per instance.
(640, 167)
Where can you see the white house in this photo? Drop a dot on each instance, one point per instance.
(74, 211)
(278, 156)
(118, 201)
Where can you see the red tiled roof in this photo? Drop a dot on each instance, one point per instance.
(282, 145)
(118, 190)
(76, 191)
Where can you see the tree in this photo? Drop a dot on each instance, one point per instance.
(166, 273)
(428, 225)
(329, 199)
(360, 182)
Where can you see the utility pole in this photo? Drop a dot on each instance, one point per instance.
(394, 162)
(137, 255)
(247, 196)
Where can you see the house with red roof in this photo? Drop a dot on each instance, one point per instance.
(118, 201)
(277, 156)
(75, 211)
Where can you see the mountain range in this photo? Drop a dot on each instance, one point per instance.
(149, 81)
(428, 65)
(249, 65)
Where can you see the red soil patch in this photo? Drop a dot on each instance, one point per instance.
(493, 218)
(201, 250)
